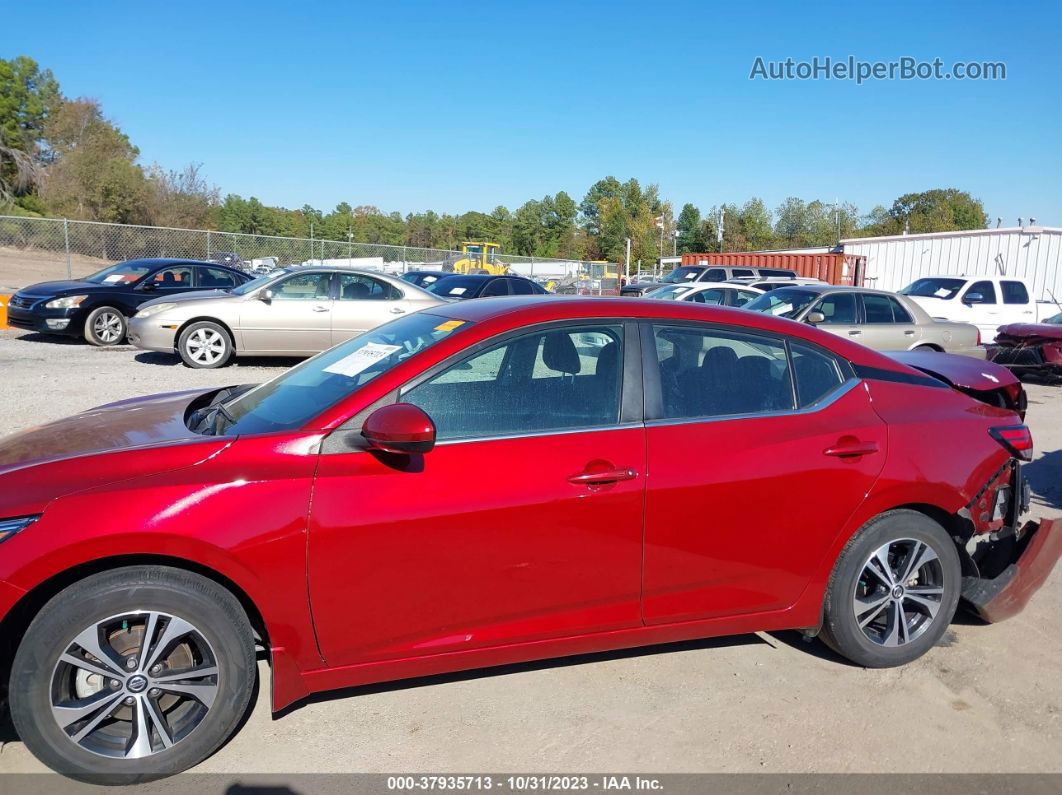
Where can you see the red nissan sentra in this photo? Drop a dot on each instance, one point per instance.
(484, 483)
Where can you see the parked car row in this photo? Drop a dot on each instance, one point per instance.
(151, 545)
(208, 313)
(880, 320)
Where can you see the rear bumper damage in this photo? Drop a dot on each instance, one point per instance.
(1034, 551)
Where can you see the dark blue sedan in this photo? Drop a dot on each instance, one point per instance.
(98, 306)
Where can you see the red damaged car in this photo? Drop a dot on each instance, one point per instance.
(620, 455)
(1030, 348)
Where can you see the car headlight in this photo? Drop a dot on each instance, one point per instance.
(69, 302)
(154, 310)
(8, 527)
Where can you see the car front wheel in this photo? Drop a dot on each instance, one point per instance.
(893, 591)
(132, 675)
(205, 345)
(105, 326)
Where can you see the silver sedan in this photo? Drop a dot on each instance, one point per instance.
(878, 319)
(298, 311)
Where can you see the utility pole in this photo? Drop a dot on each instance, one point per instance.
(719, 229)
(628, 265)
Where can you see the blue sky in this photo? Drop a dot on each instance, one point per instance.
(456, 106)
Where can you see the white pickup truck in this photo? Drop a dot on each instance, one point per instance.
(986, 301)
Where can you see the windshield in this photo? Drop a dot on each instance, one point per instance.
(669, 293)
(254, 284)
(784, 302)
(122, 273)
(454, 286)
(683, 274)
(934, 287)
(298, 395)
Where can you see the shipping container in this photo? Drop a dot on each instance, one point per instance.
(831, 267)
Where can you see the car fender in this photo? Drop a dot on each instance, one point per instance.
(208, 517)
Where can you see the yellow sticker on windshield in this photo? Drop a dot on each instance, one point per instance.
(449, 325)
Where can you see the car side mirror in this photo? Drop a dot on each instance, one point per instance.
(399, 428)
(973, 298)
(816, 317)
(265, 296)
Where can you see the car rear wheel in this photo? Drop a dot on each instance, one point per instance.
(133, 674)
(105, 326)
(926, 348)
(205, 345)
(893, 591)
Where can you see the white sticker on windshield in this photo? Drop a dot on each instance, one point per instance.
(942, 292)
(458, 290)
(362, 359)
(114, 277)
(690, 276)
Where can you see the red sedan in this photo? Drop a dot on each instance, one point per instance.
(489, 482)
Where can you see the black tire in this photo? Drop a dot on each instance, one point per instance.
(875, 645)
(136, 592)
(926, 348)
(105, 326)
(205, 345)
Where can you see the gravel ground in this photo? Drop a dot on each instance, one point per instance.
(988, 700)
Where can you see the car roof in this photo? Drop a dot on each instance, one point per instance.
(160, 261)
(482, 276)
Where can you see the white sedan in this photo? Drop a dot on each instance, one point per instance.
(716, 293)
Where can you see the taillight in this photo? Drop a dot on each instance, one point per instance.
(1017, 439)
(978, 337)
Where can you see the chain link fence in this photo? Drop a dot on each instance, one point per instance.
(49, 249)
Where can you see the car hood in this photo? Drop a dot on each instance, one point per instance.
(58, 288)
(195, 295)
(1049, 331)
(963, 372)
(102, 445)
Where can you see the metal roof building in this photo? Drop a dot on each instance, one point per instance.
(1030, 252)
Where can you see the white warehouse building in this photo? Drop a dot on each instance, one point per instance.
(1033, 253)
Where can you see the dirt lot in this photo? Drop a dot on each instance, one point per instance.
(988, 700)
(22, 267)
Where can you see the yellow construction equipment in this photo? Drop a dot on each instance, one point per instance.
(479, 257)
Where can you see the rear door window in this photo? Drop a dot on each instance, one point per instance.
(496, 287)
(217, 279)
(738, 273)
(521, 287)
(877, 308)
(709, 372)
(1014, 293)
(817, 374)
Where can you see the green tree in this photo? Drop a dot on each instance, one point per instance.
(94, 174)
(691, 230)
(28, 96)
(939, 210)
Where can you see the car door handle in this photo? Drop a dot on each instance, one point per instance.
(608, 476)
(854, 332)
(397, 310)
(320, 309)
(909, 333)
(851, 447)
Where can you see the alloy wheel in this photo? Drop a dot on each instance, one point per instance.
(107, 327)
(205, 346)
(899, 592)
(134, 685)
